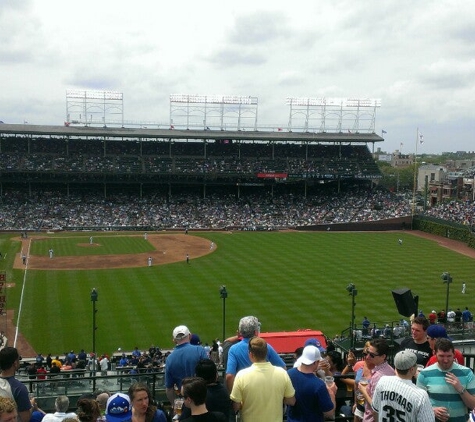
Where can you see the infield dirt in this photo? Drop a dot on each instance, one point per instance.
(169, 248)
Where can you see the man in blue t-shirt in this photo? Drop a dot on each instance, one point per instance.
(9, 364)
(181, 363)
(238, 356)
(315, 400)
(467, 315)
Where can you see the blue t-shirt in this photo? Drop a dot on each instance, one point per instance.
(312, 398)
(20, 394)
(159, 416)
(182, 363)
(238, 357)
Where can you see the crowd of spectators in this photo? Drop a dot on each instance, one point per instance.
(461, 212)
(44, 210)
(301, 161)
(88, 160)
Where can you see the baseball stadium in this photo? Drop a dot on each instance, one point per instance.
(114, 233)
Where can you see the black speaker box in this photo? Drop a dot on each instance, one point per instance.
(405, 303)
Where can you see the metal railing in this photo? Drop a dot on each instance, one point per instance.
(77, 383)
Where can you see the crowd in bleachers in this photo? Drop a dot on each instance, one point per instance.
(43, 155)
(53, 210)
(87, 160)
(457, 211)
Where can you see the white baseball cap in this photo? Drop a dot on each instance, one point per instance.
(180, 332)
(310, 355)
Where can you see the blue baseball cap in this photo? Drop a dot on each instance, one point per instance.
(437, 331)
(316, 343)
(195, 339)
(118, 408)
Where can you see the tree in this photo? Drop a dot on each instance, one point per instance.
(396, 179)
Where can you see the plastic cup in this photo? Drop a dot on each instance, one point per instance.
(177, 406)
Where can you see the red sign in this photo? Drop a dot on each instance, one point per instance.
(272, 175)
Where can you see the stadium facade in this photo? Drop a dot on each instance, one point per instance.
(146, 159)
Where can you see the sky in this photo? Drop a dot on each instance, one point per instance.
(417, 57)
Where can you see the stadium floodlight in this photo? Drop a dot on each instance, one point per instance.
(351, 114)
(94, 107)
(94, 95)
(213, 99)
(94, 328)
(351, 289)
(223, 294)
(343, 102)
(446, 278)
(220, 111)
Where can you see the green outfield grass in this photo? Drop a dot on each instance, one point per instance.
(289, 280)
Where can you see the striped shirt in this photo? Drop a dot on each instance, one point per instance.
(397, 399)
(442, 394)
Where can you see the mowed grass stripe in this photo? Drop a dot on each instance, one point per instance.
(289, 280)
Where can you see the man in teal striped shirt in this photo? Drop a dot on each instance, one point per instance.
(451, 386)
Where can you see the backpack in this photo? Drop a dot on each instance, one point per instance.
(5, 389)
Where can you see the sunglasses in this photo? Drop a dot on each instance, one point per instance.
(373, 355)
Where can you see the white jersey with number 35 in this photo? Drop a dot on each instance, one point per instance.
(399, 400)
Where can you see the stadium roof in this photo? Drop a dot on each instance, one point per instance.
(110, 132)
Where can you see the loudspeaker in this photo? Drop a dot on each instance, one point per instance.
(405, 303)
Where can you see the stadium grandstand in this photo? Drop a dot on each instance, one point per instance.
(212, 167)
(152, 175)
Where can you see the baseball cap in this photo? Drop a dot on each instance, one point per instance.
(195, 339)
(180, 332)
(405, 360)
(118, 408)
(310, 355)
(316, 343)
(436, 331)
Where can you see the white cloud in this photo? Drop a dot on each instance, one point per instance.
(416, 56)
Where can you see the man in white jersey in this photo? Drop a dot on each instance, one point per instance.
(397, 398)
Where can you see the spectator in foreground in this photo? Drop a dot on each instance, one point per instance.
(415, 407)
(61, 405)
(435, 332)
(259, 390)
(376, 355)
(8, 412)
(217, 397)
(194, 392)
(314, 399)
(181, 363)
(101, 399)
(238, 356)
(451, 386)
(88, 410)
(418, 342)
(142, 408)
(119, 408)
(9, 365)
